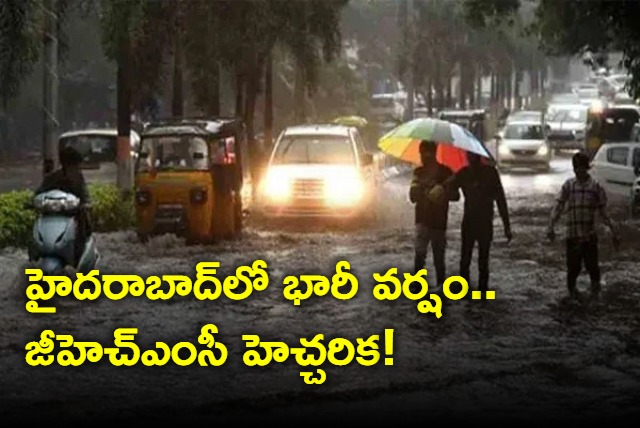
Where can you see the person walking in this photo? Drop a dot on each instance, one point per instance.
(431, 201)
(582, 196)
(482, 188)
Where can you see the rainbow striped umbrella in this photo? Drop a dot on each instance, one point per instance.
(453, 140)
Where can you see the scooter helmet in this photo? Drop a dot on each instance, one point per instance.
(69, 156)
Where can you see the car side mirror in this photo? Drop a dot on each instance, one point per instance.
(366, 159)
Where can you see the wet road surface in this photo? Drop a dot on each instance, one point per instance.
(527, 356)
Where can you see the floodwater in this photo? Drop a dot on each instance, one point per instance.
(528, 355)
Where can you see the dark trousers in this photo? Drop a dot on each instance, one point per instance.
(579, 251)
(83, 232)
(483, 236)
(424, 237)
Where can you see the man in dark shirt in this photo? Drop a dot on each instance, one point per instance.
(69, 178)
(481, 187)
(431, 209)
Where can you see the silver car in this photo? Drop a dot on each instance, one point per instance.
(566, 126)
(523, 144)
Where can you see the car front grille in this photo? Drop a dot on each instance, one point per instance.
(562, 136)
(524, 152)
(308, 188)
(170, 212)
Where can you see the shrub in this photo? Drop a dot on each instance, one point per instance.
(109, 212)
(16, 221)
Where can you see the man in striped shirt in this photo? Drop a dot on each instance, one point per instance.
(581, 197)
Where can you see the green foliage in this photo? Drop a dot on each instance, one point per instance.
(15, 219)
(595, 25)
(108, 213)
(21, 30)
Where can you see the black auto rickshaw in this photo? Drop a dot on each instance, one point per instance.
(610, 124)
(473, 120)
(189, 178)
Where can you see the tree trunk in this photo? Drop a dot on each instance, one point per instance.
(479, 88)
(471, 93)
(268, 104)
(494, 87)
(123, 77)
(240, 84)
(439, 86)
(534, 82)
(429, 99)
(516, 88)
(299, 95)
(449, 90)
(177, 103)
(509, 82)
(213, 86)
(251, 95)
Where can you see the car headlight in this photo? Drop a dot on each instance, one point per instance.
(344, 189)
(277, 187)
(503, 149)
(543, 150)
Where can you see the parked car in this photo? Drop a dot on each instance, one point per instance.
(99, 148)
(617, 167)
(523, 143)
(566, 126)
(526, 115)
(564, 98)
(386, 107)
(319, 171)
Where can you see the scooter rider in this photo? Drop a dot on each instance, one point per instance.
(69, 178)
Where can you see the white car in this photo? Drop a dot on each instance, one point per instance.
(523, 143)
(525, 115)
(99, 148)
(319, 171)
(386, 107)
(617, 167)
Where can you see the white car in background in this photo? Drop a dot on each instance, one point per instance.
(386, 107)
(99, 148)
(617, 167)
(526, 115)
(523, 144)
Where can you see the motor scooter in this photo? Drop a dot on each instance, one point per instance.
(52, 245)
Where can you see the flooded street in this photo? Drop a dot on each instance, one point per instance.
(527, 353)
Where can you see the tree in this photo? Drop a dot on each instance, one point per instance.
(596, 25)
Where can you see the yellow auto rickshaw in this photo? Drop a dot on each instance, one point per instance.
(188, 181)
(610, 124)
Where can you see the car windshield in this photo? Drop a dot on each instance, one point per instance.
(174, 153)
(588, 92)
(523, 132)
(93, 148)
(325, 149)
(525, 115)
(382, 102)
(564, 98)
(568, 115)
